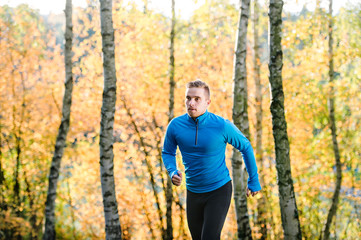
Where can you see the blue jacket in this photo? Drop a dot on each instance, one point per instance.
(202, 143)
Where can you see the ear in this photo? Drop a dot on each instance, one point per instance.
(208, 102)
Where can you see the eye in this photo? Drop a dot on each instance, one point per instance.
(197, 99)
(188, 98)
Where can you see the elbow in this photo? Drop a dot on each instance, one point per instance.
(247, 147)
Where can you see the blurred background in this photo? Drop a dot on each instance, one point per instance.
(32, 75)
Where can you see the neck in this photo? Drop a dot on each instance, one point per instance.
(194, 118)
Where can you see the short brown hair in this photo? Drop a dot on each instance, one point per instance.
(199, 84)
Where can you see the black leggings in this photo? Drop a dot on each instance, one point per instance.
(206, 212)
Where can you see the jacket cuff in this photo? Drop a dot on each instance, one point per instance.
(173, 173)
(255, 186)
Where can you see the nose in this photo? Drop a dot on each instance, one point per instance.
(191, 102)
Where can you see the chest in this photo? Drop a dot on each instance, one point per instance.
(203, 139)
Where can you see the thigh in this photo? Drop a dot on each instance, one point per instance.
(215, 212)
(195, 214)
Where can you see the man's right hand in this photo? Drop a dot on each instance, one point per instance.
(177, 178)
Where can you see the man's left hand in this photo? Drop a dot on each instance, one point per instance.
(249, 192)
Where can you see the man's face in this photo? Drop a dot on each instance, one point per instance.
(197, 101)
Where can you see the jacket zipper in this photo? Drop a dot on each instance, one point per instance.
(196, 130)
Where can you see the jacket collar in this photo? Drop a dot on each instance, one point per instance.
(201, 119)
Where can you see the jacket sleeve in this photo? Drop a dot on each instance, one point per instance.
(235, 137)
(169, 151)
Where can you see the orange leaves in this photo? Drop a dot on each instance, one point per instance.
(32, 68)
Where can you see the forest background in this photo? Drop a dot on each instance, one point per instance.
(32, 84)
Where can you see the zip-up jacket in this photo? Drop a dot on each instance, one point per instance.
(202, 143)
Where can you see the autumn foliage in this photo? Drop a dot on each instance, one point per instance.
(32, 76)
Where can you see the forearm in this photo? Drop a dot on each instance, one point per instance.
(235, 137)
(170, 163)
(251, 166)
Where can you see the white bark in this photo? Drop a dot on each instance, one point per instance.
(289, 212)
(240, 119)
(49, 233)
(112, 224)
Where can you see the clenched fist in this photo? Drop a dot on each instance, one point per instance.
(177, 178)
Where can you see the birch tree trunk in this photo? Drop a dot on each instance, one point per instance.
(261, 206)
(169, 193)
(240, 119)
(49, 233)
(331, 103)
(289, 212)
(112, 224)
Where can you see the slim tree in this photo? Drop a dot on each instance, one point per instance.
(240, 119)
(112, 224)
(289, 212)
(169, 192)
(261, 206)
(332, 122)
(49, 233)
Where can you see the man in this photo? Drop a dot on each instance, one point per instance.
(202, 138)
